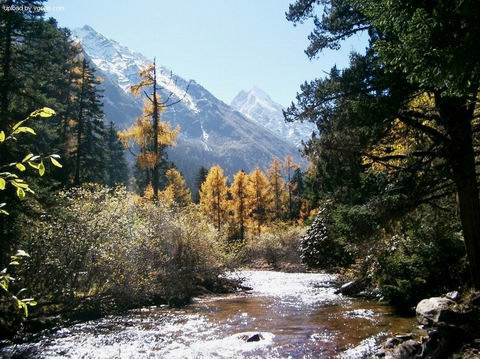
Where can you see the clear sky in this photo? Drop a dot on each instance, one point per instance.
(225, 45)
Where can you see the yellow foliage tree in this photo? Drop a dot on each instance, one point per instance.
(176, 186)
(260, 199)
(150, 133)
(239, 192)
(277, 182)
(213, 196)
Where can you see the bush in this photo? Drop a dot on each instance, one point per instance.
(105, 243)
(424, 256)
(278, 244)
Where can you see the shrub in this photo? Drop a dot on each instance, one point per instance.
(109, 243)
(279, 243)
(423, 256)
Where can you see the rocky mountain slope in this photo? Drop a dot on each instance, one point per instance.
(212, 132)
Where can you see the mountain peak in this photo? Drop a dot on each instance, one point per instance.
(257, 105)
(258, 92)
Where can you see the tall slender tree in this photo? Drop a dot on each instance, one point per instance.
(260, 199)
(277, 183)
(289, 167)
(89, 151)
(213, 196)
(117, 168)
(239, 192)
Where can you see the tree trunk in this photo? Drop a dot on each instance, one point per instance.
(155, 177)
(80, 127)
(457, 116)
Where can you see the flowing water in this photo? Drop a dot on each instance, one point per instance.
(297, 314)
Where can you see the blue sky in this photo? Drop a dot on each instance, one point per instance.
(225, 45)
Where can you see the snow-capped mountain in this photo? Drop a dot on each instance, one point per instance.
(259, 107)
(211, 132)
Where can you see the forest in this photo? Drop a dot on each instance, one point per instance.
(96, 220)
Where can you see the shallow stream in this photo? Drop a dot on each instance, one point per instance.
(297, 314)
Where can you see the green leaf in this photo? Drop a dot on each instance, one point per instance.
(20, 167)
(33, 164)
(2, 211)
(2, 136)
(18, 124)
(20, 193)
(22, 253)
(27, 157)
(24, 129)
(55, 162)
(2, 183)
(41, 169)
(46, 112)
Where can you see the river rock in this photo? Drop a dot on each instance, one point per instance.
(407, 350)
(433, 310)
(352, 288)
(255, 338)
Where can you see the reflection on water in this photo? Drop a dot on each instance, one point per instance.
(298, 314)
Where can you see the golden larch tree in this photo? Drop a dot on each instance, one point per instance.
(239, 193)
(260, 199)
(149, 132)
(213, 196)
(177, 187)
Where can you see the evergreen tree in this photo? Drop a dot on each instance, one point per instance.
(289, 167)
(277, 183)
(239, 193)
(199, 179)
(298, 203)
(415, 49)
(213, 196)
(17, 28)
(117, 168)
(89, 130)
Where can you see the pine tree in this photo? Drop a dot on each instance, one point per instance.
(289, 168)
(89, 130)
(239, 193)
(199, 179)
(117, 168)
(277, 183)
(177, 187)
(16, 29)
(213, 196)
(260, 199)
